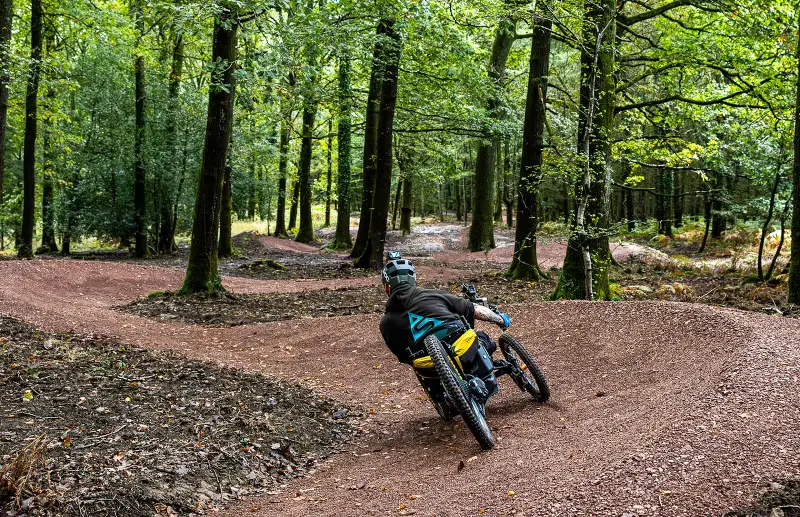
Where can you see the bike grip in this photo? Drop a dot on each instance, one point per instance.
(506, 320)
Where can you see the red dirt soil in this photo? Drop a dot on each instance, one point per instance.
(549, 254)
(657, 408)
(286, 245)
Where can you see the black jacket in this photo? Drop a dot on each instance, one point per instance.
(411, 311)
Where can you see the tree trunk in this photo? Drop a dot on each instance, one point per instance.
(295, 199)
(780, 241)
(396, 202)
(48, 173)
(372, 257)
(459, 203)
(280, 218)
(202, 274)
(376, 82)
(508, 184)
(166, 243)
(481, 233)
(139, 201)
(718, 207)
(252, 197)
(185, 155)
(708, 222)
(330, 175)
(25, 249)
(679, 200)
(525, 264)
(305, 233)
(500, 180)
(664, 202)
(225, 249)
(408, 199)
(6, 19)
(342, 238)
(794, 265)
(630, 217)
(767, 221)
(585, 271)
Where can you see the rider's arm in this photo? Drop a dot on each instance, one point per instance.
(486, 314)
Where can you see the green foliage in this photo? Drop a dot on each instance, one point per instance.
(706, 94)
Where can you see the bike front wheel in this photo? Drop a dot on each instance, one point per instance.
(459, 393)
(530, 378)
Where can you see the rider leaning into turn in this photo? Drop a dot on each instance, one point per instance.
(411, 311)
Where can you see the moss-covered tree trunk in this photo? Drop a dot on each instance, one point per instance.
(139, 174)
(372, 257)
(6, 19)
(25, 249)
(371, 140)
(305, 233)
(202, 274)
(342, 238)
(794, 265)
(525, 264)
(481, 233)
(588, 255)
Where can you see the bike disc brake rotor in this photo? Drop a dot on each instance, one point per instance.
(524, 383)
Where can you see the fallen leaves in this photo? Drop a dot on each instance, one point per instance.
(208, 432)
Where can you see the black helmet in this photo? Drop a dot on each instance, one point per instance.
(398, 271)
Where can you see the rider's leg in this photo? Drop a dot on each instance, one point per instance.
(482, 364)
(487, 342)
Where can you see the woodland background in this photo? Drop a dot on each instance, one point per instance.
(674, 112)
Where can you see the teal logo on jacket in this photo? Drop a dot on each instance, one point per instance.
(420, 325)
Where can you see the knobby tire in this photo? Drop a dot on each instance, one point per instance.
(450, 379)
(541, 391)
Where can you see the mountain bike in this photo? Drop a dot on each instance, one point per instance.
(453, 390)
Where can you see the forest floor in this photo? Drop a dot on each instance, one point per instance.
(118, 429)
(658, 408)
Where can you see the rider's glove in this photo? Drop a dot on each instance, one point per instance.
(506, 320)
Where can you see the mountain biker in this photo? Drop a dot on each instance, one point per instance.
(411, 311)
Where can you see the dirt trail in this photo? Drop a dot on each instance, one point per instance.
(698, 407)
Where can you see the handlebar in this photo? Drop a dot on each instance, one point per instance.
(471, 294)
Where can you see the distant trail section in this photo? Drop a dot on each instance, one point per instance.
(286, 245)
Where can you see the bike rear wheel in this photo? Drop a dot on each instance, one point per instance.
(457, 390)
(531, 379)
